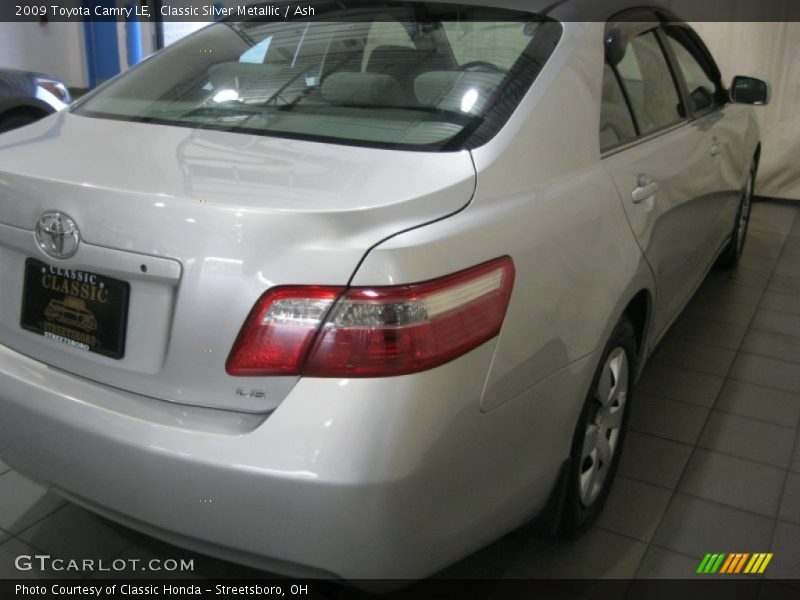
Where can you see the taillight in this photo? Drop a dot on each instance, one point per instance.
(278, 333)
(373, 332)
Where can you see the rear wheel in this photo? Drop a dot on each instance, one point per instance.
(600, 433)
(733, 253)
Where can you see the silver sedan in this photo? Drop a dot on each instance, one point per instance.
(354, 295)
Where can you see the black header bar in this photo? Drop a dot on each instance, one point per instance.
(44, 11)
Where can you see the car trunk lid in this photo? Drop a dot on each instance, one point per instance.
(199, 224)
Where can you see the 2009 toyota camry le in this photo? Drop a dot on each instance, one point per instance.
(354, 295)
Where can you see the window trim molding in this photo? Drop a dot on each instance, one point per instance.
(645, 139)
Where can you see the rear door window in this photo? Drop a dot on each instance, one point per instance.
(616, 122)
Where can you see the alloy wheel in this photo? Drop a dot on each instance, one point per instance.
(601, 439)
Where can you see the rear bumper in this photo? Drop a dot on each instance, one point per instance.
(355, 479)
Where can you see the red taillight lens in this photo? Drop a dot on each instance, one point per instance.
(373, 332)
(278, 333)
(394, 331)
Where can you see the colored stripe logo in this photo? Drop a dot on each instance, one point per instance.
(734, 563)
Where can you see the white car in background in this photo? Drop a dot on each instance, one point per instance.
(368, 290)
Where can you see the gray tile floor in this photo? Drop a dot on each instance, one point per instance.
(712, 462)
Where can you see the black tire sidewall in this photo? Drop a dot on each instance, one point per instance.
(731, 257)
(576, 518)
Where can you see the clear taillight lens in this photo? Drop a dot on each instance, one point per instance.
(373, 332)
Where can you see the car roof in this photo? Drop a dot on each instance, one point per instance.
(572, 10)
(603, 10)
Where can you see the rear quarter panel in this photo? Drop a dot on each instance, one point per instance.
(544, 199)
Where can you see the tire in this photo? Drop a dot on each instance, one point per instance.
(732, 254)
(600, 433)
(19, 118)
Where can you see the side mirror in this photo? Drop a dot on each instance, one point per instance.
(749, 90)
(702, 98)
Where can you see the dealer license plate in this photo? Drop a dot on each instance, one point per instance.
(81, 309)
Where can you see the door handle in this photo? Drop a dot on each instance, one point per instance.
(716, 147)
(646, 187)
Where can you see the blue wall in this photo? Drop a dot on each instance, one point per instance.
(102, 49)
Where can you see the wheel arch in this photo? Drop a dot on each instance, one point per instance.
(639, 310)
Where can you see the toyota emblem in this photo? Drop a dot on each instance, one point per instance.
(57, 235)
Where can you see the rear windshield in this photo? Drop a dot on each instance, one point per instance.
(419, 75)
